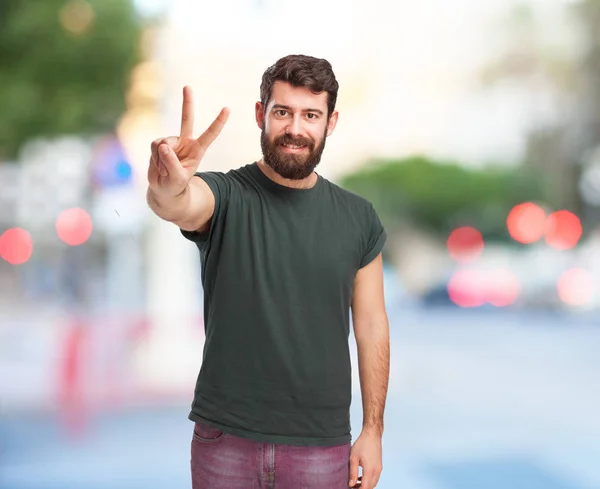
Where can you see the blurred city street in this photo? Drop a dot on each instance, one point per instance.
(477, 400)
(473, 129)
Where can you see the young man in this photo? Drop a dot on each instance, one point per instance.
(285, 255)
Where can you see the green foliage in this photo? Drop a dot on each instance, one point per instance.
(54, 81)
(439, 196)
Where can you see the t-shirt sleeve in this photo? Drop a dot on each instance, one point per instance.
(220, 186)
(374, 237)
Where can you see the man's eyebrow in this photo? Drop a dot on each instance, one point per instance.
(286, 107)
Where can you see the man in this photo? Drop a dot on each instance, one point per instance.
(285, 255)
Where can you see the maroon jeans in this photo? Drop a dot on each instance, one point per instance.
(223, 461)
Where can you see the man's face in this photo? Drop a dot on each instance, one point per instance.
(294, 126)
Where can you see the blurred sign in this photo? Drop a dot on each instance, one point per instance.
(110, 167)
(53, 176)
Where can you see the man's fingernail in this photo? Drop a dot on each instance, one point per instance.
(163, 149)
(351, 483)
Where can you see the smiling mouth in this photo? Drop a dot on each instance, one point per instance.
(292, 146)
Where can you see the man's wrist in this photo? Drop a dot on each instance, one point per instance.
(373, 429)
(168, 208)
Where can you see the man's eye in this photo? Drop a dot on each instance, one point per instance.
(281, 112)
(310, 115)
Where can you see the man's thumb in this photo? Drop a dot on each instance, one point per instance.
(168, 158)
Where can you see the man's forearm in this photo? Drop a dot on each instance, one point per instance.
(374, 372)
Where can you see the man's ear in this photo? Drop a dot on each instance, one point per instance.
(260, 115)
(332, 122)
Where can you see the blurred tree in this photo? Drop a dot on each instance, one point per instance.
(439, 196)
(64, 67)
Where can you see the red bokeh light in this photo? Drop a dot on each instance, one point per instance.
(465, 244)
(526, 223)
(576, 287)
(466, 289)
(74, 226)
(16, 246)
(474, 288)
(563, 230)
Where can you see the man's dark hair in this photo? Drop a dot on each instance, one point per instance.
(301, 71)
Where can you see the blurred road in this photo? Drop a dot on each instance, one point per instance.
(477, 400)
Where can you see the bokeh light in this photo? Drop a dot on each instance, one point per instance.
(563, 230)
(74, 226)
(503, 287)
(576, 287)
(77, 16)
(16, 246)
(474, 288)
(465, 244)
(526, 223)
(466, 288)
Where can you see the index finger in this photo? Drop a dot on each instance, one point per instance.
(187, 113)
(214, 129)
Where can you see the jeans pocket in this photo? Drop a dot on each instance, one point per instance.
(204, 433)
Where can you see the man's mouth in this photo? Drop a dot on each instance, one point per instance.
(293, 147)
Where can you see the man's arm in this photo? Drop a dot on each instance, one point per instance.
(173, 193)
(191, 210)
(371, 330)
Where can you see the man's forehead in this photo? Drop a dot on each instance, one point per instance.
(297, 97)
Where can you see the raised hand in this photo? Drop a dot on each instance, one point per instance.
(174, 160)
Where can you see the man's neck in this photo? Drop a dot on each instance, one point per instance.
(305, 183)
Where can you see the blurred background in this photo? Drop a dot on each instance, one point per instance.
(473, 127)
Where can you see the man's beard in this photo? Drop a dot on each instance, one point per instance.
(292, 166)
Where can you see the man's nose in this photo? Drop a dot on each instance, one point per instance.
(294, 128)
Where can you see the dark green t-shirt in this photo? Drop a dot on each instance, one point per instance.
(278, 267)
